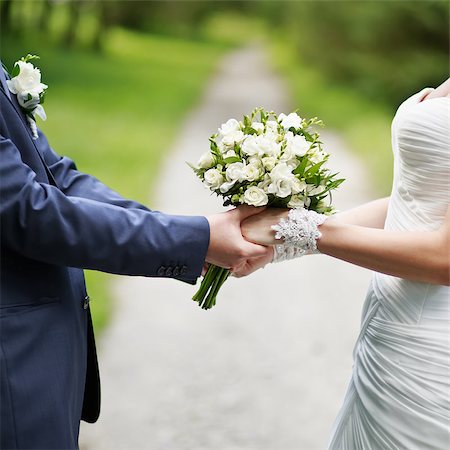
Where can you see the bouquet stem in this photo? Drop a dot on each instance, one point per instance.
(213, 280)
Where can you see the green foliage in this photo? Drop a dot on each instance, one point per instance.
(383, 50)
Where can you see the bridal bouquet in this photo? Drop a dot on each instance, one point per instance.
(262, 160)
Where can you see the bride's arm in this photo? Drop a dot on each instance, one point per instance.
(416, 255)
(372, 214)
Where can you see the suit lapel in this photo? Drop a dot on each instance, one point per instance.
(13, 100)
(3, 84)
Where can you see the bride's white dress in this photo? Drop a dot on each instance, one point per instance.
(399, 394)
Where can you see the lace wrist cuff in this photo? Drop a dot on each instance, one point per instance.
(300, 233)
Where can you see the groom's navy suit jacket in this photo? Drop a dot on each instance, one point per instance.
(56, 221)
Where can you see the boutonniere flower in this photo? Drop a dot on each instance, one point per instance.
(26, 84)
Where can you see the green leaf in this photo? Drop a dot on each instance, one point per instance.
(308, 136)
(333, 185)
(232, 159)
(15, 71)
(314, 169)
(301, 168)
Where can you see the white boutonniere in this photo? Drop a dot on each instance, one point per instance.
(26, 84)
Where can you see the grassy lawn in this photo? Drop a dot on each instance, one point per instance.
(117, 113)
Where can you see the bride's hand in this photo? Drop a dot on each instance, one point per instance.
(257, 228)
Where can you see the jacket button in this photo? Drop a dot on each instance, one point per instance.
(169, 272)
(161, 271)
(176, 271)
(183, 270)
(86, 301)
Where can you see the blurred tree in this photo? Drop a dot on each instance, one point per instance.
(5, 14)
(383, 49)
(105, 19)
(46, 12)
(74, 18)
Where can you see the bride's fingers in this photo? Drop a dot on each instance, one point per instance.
(258, 228)
(205, 269)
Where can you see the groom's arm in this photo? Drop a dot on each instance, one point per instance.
(43, 223)
(78, 184)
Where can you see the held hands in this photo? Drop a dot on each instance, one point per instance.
(227, 247)
(258, 229)
(244, 240)
(296, 235)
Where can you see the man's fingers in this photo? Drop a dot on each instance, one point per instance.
(245, 211)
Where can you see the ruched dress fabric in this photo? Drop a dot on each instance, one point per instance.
(399, 393)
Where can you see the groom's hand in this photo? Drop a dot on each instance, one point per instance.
(227, 248)
(252, 265)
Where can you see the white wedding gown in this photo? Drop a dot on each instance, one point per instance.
(399, 394)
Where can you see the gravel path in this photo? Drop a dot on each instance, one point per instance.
(267, 368)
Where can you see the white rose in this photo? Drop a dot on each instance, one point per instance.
(228, 127)
(293, 163)
(236, 137)
(272, 127)
(282, 187)
(252, 172)
(297, 201)
(282, 180)
(225, 187)
(213, 179)
(255, 196)
(206, 160)
(269, 146)
(28, 81)
(269, 162)
(264, 185)
(230, 154)
(315, 190)
(250, 146)
(298, 186)
(235, 172)
(281, 170)
(286, 155)
(296, 145)
(261, 145)
(258, 127)
(292, 120)
(229, 134)
(256, 161)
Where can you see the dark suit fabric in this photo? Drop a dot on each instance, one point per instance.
(55, 222)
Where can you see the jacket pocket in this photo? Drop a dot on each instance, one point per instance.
(9, 306)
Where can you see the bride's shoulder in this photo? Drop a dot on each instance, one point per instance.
(418, 97)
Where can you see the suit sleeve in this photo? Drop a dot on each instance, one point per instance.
(41, 222)
(75, 183)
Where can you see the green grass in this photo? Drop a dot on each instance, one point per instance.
(117, 113)
(364, 124)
